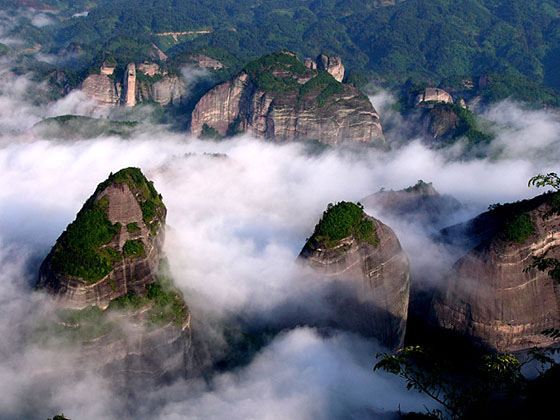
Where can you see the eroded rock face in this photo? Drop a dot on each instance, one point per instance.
(376, 272)
(440, 122)
(333, 65)
(121, 200)
(420, 204)
(492, 293)
(280, 99)
(115, 301)
(432, 96)
(102, 89)
(205, 62)
(157, 85)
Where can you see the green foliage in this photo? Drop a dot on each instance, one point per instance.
(80, 249)
(468, 127)
(514, 42)
(519, 228)
(275, 72)
(76, 126)
(209, 133)
(165, 303)
(134, 248)
(549, 180)
(463, 390)
(343, 220)
(323, 85)
(132, 227)
(4, 49)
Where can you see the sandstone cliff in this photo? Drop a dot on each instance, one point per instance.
(146, 82)
(420, 204)
(280, 99)
(102, 89)
(493, 293)
(90, 263)
(432, 96)
(108, 277)
(361, 253)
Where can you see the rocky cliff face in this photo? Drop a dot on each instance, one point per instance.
(280, 99)
(115, 300)
(332, 65)
(365, 255)
(420, 204)
(170, 89)
(493, 293)
(102, 89)
(146, 82)
(91, 262)
(432, 96)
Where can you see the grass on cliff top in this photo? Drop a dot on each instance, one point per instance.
(515, 220)
(133, 248)
(342, 220)
(81, 250)
(261, 70)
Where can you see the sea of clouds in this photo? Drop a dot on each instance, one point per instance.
(239, 212)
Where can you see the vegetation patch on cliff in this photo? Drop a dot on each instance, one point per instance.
(165, 302)
(134, 248)
(342, 220)
(324, 85)
(77, 126)
(519, 228)
(277, 72)
(80, 249)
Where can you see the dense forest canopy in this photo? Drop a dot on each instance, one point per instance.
(442, 42)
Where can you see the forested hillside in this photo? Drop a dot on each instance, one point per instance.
(515, 42)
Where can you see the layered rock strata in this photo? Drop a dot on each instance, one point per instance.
(280, 99)
(70, 270)
(114, 299)
(494, 292)
(101, 89)
(366, 259)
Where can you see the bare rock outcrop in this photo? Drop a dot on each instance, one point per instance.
(494, 293)
(171, 89)
(145, 82)
(280, 99)
(420, 204)
(115, 299)
(129, 96)
(205, 62)
(101, 88)
(112, 248)
(333, 65)
(432, 96)
(364, 257)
